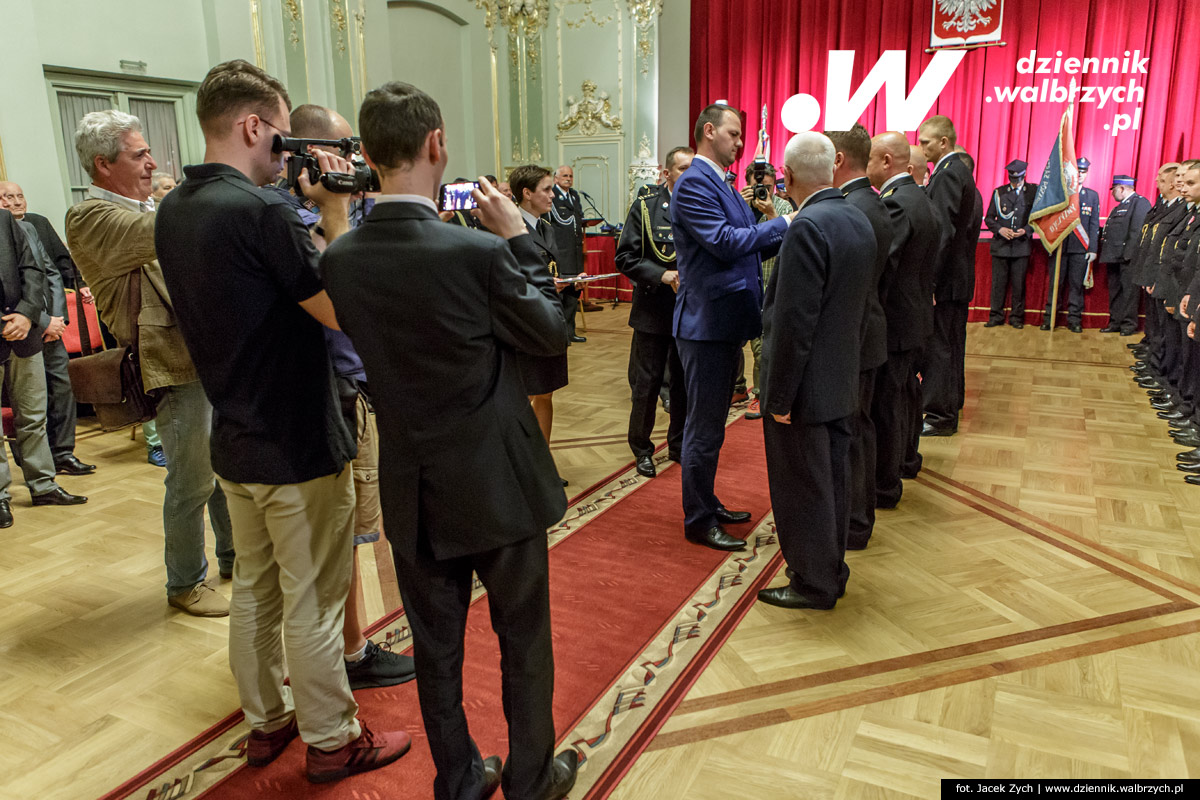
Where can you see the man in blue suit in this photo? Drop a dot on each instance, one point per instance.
(718, 308)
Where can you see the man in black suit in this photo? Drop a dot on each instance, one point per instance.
(952, 192)
(853, 149)
(1165, 214)
(908, 308)
(646, 255)
(61, 274)
(1008, 220)
(812, 343)
(1118, 245)
(469, 487)
(1076, 258)
(566, 218)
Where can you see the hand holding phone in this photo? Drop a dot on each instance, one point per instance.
(457, 196)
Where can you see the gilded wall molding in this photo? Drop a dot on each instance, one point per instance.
(644, 13)
(590, 112)
(295, 17)
(260, 50)
(589, 14)
(523, 20)
(338, 22)
(620, 40)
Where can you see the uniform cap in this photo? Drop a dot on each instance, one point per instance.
(1122, 180)
(1083, 163)
(1016, 167)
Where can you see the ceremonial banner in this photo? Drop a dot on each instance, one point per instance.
(1056, 207)
(966, 23)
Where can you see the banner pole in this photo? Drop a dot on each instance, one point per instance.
(1054, 297)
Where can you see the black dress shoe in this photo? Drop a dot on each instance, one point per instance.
(574, 338)
(1045, 326)
(1188, 455)
(491, 776)
(6, 518)
(934, 430)
(1018, 324)
(58, 496)
(1186, 440)
(1188, 466)
(1110, 328)
(1128, 333)
(787, 597)
(1138, 366)
(70, 465)
(1174, 413)
(645, 466)
(716, 538)
(566, 482)
(562, 774)
(1135, 345)
(992, 323)
(1074, 327)
(727, 517)
(1194, 480)
(1162, 405)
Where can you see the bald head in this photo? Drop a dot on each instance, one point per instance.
(918, 167)
(12, 198)
(889, 157)
(311, 121)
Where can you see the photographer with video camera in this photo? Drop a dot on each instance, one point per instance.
(759, 193)
(242, 271)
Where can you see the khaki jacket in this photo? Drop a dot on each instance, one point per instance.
(109, 244)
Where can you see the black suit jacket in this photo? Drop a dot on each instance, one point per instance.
(1010, 209)
(436, 312)
(812, 316)
(916, 237)
(953, 194)
(22, 285)
(58, 252)
(566, 220)
(639, 258)
(863, 196)
(1154, 231)
(1119, 239)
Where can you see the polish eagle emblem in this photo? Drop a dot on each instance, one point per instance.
(965, 15)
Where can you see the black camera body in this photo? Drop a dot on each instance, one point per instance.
(761, 174)
(363, 179)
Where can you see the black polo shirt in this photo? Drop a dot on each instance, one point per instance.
(237, 261)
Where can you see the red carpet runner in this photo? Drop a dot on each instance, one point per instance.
(630, 601)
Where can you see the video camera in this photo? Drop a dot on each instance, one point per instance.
(761, 174)
(363, 179)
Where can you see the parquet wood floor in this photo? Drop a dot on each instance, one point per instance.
(1029, 610)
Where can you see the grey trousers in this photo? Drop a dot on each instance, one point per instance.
(26, 378)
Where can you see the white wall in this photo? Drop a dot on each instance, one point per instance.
(674, 76)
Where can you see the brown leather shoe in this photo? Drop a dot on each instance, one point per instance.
(369, 751)
(201, 601)
(263, 748)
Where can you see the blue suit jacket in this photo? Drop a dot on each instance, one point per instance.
(719, 251)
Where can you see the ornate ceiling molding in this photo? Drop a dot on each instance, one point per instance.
(590, 112)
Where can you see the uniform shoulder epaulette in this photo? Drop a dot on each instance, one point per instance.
(648, 190)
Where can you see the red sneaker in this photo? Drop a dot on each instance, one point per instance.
(753, 411)
(263, 748)
(369, 751)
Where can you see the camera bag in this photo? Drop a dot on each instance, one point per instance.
(111, 380)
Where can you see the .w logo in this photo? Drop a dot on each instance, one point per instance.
(802, 112)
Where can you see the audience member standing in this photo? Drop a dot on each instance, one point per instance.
(1076, 258)
(718, 309)
(812, 340)
(468, 487)
(646, 255)
(61, 274)
(566, 220)
(1008, 220)
(908, 308)
(1118, 245)
(952, 192)
(241, 268)
(853, 149)
(112, 238)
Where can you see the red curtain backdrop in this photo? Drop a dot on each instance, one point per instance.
(752, 52)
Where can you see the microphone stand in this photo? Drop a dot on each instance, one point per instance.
(610, 229)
